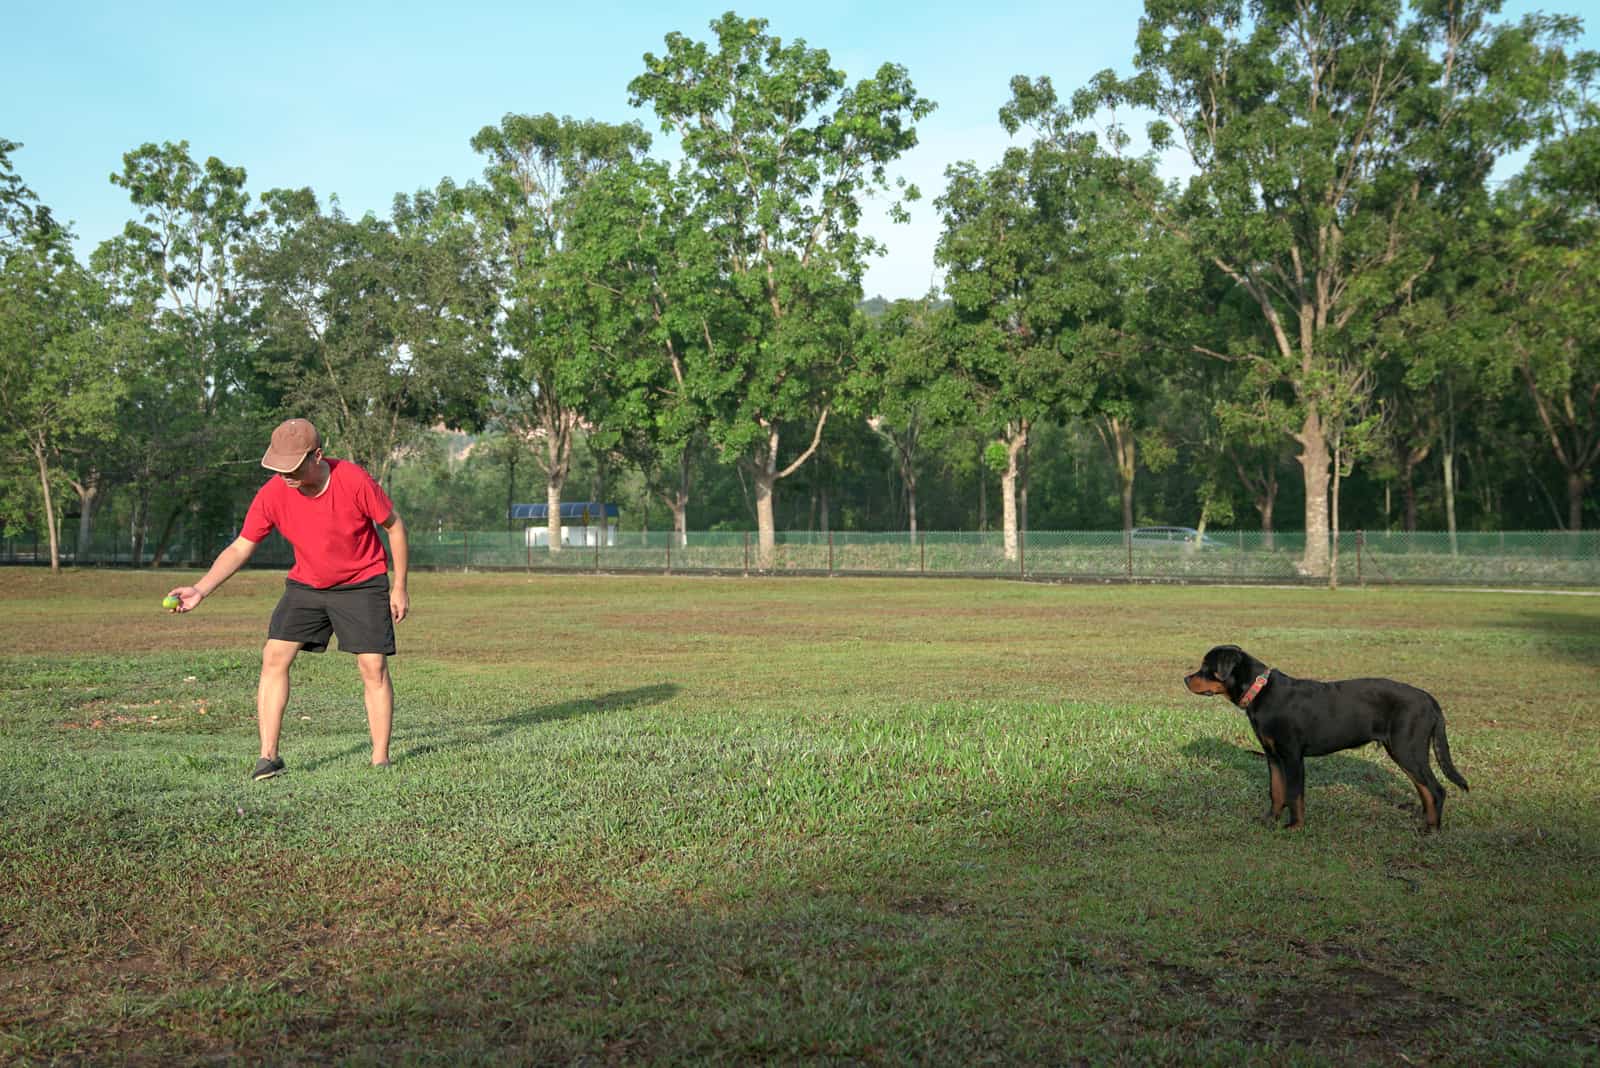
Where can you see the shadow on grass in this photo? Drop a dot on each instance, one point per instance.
(500, 728)
(1334, 769)
(1567, 635)
(943, 961)
(362, 747)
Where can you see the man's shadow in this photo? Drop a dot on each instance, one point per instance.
(496, 729)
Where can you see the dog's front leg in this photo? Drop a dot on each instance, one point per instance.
(1279, 792)
(1294, 775)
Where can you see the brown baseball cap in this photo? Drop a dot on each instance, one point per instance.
(291, 442)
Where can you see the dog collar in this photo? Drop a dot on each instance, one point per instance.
(1255, 689)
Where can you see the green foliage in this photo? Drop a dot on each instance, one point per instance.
(556, 327)
(1329, 142)
(375, 330)
(58, 354)
(778, 153)
(1336, 279)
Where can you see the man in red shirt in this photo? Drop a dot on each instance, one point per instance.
(339, 584)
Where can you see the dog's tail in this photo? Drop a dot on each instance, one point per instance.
(1441, 748)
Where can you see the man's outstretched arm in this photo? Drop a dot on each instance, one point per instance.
(228, 561)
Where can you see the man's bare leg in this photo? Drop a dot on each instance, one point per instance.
(272, 693)
(378, 692)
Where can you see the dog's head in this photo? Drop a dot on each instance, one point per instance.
(1227, 670)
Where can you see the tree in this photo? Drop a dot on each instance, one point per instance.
(912, 394)
(1324, 134)
(375, 330)
(537, 165)
(181, 258)
(56, 376)
(23, 220)
(1549, 286)
(651, 272)
(779, 153)
(1051, 274)
(1004, 322)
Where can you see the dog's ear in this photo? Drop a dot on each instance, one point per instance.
(1225, 660)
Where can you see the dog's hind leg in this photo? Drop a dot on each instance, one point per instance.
(1429, 789)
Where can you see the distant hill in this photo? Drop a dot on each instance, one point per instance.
(875, 307)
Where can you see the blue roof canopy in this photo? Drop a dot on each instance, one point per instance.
(580, 511)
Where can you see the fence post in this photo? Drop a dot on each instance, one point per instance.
(1127, 543)
(747, 554)
(830, 552)
(598, 538)
(527, 547)
(922, 545)
(669, 551)
(1361, 544)
(466, 550)
(1022, 554)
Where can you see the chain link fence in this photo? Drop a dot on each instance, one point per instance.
(1517, 558)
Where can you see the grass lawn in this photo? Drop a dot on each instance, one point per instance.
(854, 820)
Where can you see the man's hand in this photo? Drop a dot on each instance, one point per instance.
(188, 597)
(399, 603)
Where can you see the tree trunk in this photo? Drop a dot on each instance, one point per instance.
(552, 524)
(88, 492)
(141, 521)
(983, 488)
(910, 480)
(167, 527)
(511, 486)
(1449, 459)
(680, 502)
(1016, 440)
(1117, 436)
(766, 530)
(1333, 515)
(680, 521)
(1577, 482)
(558, 428)
(1263, 494)
(1408, 490)
(49, 506)
(1314, 462)
(602, 475)
(764, 473)
(1022, 496)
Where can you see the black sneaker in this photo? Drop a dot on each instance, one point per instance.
(266, 768)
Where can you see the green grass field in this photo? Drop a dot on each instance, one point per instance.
(850, 820)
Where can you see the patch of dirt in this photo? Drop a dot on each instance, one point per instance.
(1362, 1010)
(932, 905)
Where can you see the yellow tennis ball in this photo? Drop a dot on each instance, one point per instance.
(171, 603)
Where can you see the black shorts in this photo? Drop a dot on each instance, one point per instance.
(357, 613)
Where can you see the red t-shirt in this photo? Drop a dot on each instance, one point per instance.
(334, 540)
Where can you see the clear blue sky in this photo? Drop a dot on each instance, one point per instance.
(368, 99)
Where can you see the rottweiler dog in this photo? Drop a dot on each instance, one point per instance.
(1296, 718)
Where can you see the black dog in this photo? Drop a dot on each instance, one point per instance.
(1296, 718)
